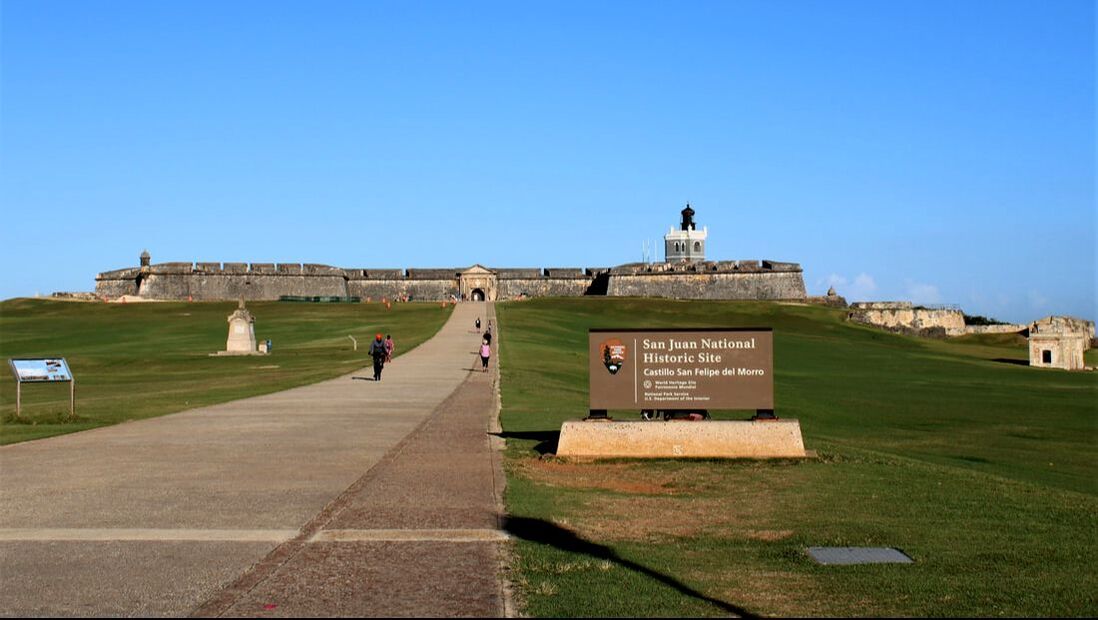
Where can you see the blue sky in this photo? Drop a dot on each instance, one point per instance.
(940, 152)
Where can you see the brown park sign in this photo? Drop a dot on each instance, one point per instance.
(681, 369)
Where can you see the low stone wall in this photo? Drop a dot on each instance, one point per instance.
(995, 329)
(74, 296)
(834, 301)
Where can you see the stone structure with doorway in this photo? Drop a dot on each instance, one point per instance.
(1059, 342)
(478, 283)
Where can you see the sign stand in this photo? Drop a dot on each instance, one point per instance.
(597, 414)
(764, 414)
(42, 370)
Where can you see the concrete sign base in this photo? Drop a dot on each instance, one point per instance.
(722, 439)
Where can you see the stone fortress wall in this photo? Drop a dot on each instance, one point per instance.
(205, 281)
(687, 275)
(742, 280)
(216, 281)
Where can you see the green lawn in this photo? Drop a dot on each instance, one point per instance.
(979, 467)
(134, 361)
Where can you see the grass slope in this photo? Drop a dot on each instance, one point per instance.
(979, 467)
(134, 361)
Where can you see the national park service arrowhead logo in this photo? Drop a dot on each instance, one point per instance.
(613, 355)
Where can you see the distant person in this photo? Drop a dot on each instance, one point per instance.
(478, 324)
(485, 353)
(377, 351)
(389, 346)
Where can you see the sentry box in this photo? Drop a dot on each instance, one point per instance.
(42, 370)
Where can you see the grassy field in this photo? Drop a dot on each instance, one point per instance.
(134, 361)
(980, 468)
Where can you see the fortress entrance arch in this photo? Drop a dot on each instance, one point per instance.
(478, 284)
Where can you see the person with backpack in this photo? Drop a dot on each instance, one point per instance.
(377, 351)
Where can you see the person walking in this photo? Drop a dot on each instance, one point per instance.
(377, 351)
(485, 353)
(389, 346)
(478, 324)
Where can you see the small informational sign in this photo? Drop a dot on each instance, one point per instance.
(41, 370)
(681, 369)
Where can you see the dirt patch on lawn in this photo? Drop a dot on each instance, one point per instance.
(616, 477)
(610, 518)
(659, 501)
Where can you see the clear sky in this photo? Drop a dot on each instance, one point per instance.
(933, 151)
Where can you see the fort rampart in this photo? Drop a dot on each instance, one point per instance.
(744, 280)
(207, 281)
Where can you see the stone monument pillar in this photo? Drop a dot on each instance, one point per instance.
(241, 331)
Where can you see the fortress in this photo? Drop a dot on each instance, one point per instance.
(685, 274)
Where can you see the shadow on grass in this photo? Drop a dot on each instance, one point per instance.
(1004, 360)
(546, 533)
(547, 440)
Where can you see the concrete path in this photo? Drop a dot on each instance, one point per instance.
(221, 510)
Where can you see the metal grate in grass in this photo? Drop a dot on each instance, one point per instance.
(859, 555)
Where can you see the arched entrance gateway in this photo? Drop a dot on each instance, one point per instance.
(478, 284)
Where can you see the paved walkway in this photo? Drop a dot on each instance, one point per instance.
(339, 498)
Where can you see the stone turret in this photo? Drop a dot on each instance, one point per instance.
(145, 258)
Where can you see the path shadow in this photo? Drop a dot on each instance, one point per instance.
(546, 533)
(1004, 360)
(547, 440)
